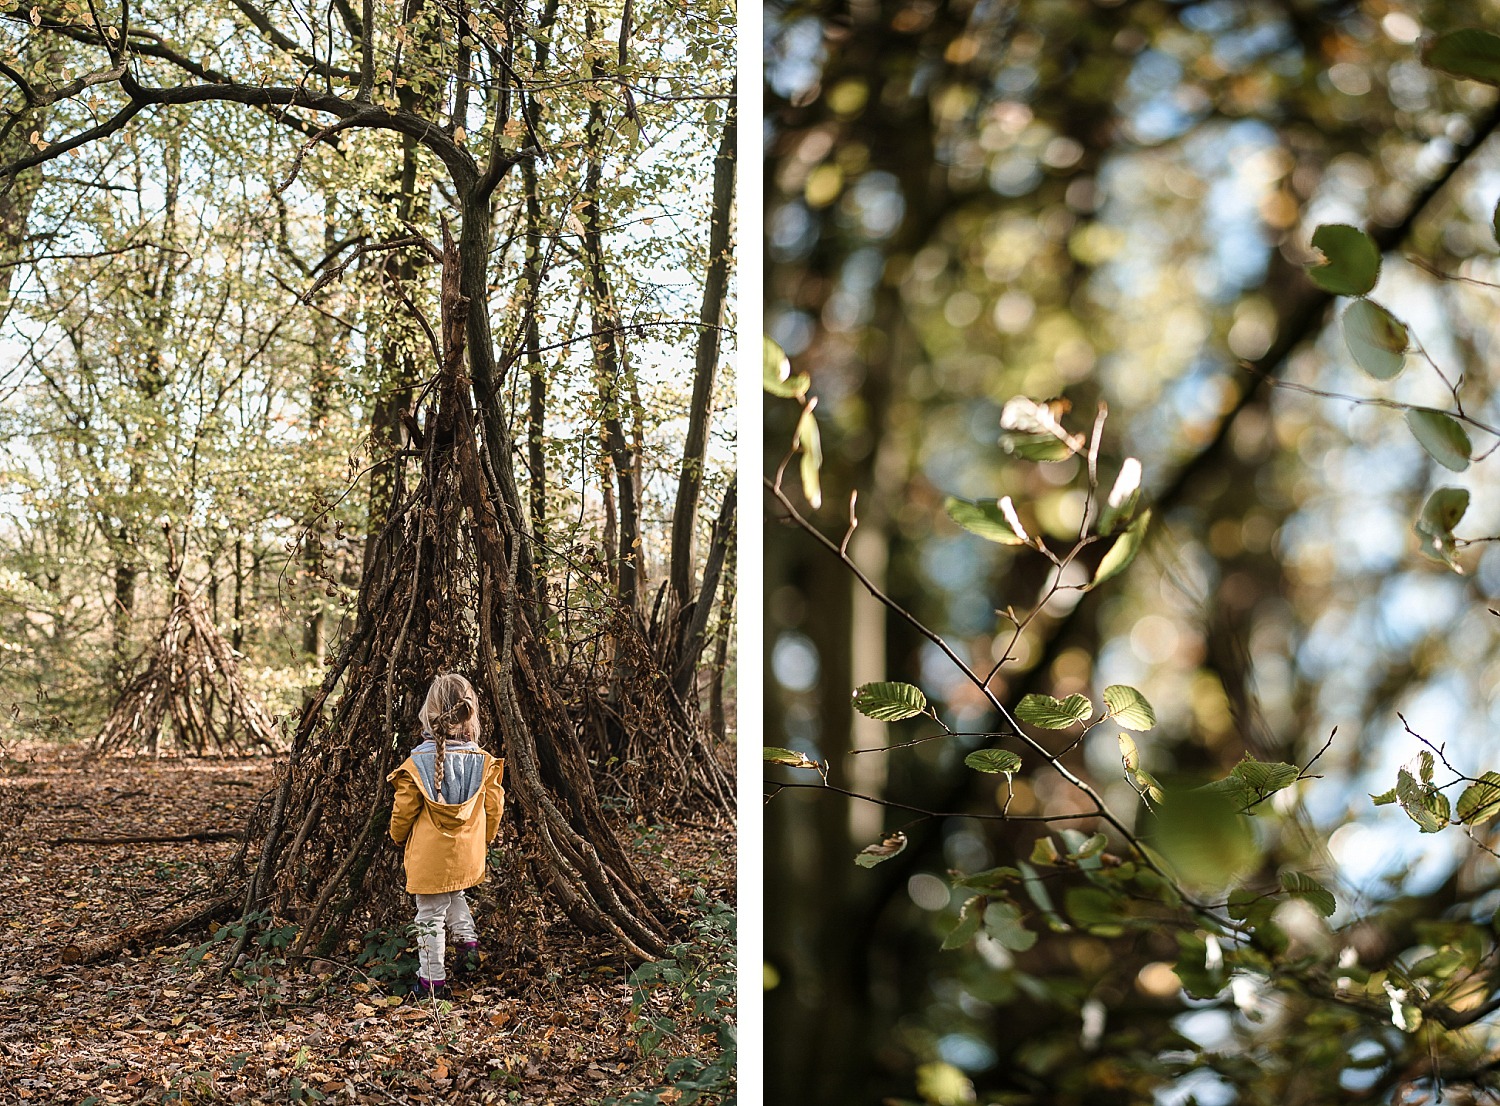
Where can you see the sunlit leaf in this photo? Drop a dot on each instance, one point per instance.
(1128, 707)
(1251, 781)
(1442, 437)
(1035, 447)
(1376, 338)
(1468, 52)
(789, 757)
(1424, 804)
(1054, 714)
(997, 761)
(889, 701)
(984, 518)
(1480, 800)
(1044, 851)
(1123, 496)
(777, 375)
(1126, 546)
(890, 845)
(1302, 886)
(810, 444)
(1012, 519)
(942, 1084)
(1351, 260)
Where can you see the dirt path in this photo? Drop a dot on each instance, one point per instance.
(152, 1026)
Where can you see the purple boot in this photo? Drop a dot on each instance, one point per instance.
(432, 988)
(468, 957)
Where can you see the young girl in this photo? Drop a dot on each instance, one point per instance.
(449, 799)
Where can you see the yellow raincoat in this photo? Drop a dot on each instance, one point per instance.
(445, 842)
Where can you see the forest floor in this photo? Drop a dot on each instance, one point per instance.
(155, 1024)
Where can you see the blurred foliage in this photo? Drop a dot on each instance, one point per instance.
(1180, 889)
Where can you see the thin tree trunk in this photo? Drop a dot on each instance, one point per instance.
(536, 410)
(320, 405)
(397, 368)
(711, 316)
(716, 718)
(237, 631)
(609, 372)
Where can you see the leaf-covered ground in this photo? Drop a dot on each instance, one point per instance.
(148, 1025)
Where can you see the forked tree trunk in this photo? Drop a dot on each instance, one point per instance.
(451, 597)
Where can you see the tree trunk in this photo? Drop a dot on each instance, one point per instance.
(711, 316)
(609, 370)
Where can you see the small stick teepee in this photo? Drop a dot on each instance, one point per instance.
(191, 678)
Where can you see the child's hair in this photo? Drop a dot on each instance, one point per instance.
(449, 711)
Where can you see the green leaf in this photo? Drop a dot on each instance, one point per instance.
(890, 845)
(1480, 800)
(1002, 921)
(1469, 53)
(790, 757)
(1128, 707)
(777, 377)
(1444, 509)
(1302, 886)
(1095, 910)
(997, 761)
(1044, 851)
(1126, 546)
(1376, 338)
(1035, 447)
(1441, 436)
(809, 443)
(1434, 527)
(1197, 978)
(1205, 838)
(1351, 262)
(889, 701)
(1036, 887)
(1081, 847)
(1129, 753)
(984, 518)
(1385, 798)
(1250, 781)
(969, 920)
(1122, 499)
(1424, 804)
(990, 879)
(1245, 905)
(1054, 714)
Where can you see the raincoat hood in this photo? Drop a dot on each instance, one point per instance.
(444, 843)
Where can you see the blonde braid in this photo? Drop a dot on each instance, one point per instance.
(459, 717)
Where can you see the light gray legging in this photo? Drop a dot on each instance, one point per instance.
(433, 911)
